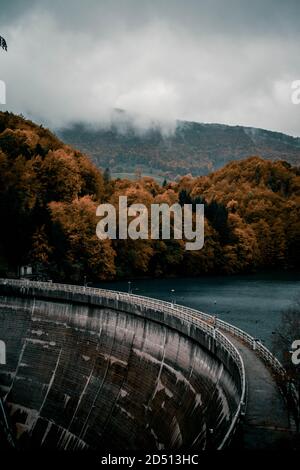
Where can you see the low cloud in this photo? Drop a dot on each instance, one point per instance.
(160, 63)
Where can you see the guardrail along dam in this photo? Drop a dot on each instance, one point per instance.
(92, 369)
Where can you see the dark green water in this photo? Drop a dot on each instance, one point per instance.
(253, 303)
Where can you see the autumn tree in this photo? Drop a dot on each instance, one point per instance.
(77, 247)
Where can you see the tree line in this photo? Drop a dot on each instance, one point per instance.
(48, 198)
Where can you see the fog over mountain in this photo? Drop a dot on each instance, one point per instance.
(208, 61)
(189, 147)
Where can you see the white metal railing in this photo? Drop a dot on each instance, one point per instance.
(205, 322)
(264, 352)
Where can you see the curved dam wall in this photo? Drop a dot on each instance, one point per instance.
(94, 371)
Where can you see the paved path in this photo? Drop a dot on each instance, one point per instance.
(267, 423)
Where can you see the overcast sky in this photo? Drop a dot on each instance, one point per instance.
(224, 61)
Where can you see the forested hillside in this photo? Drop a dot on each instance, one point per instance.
(193, 147)
(49, 193)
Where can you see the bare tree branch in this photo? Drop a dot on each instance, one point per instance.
(3, 43)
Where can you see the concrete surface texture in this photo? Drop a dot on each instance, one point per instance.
(86, 376)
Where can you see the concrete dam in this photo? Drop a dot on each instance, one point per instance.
(93, 369)
(85, 368)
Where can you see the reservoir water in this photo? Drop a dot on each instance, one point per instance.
(253, 302)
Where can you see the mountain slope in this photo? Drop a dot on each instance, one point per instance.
(193, 148)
